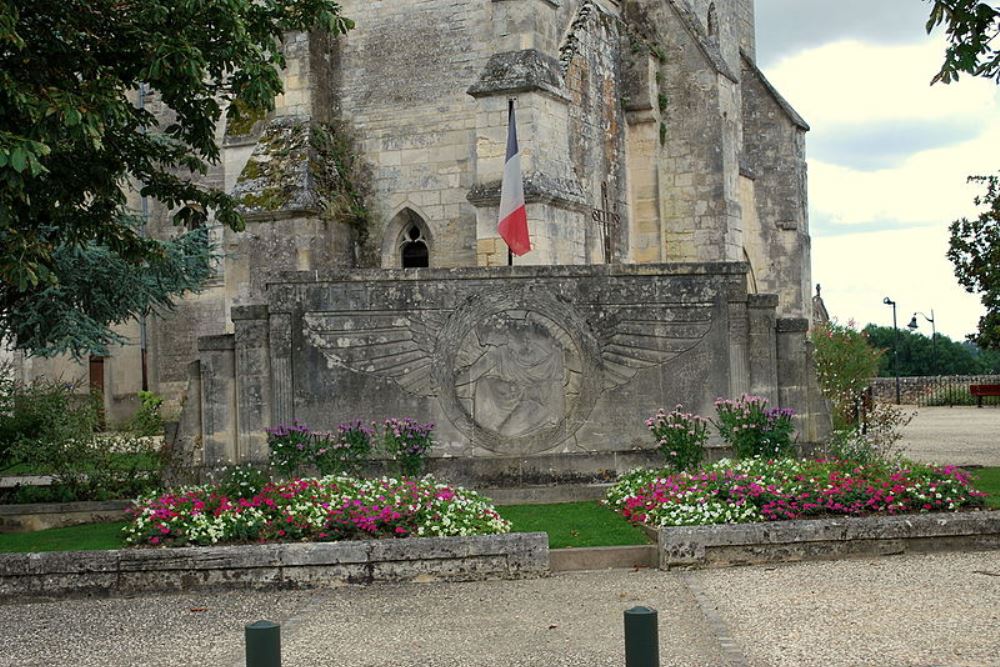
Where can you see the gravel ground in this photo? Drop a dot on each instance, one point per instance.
(959, 435)
(573, 620)
(159, 631)
(913, 611)
(566, 620)
(901, 611)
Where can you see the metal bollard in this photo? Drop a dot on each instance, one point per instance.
(642, 638)
(263, 640)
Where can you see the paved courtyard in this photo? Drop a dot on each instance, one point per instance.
(959, 435)
(912, 611)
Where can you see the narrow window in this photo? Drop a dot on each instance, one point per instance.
(713, 22)
(414, 252)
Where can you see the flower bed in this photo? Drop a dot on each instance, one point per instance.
(755, 490)
(327, 509)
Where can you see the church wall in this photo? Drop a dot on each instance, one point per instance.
(625, 341)
(596, 132)
(775, 152)
(698, 160)
(401, 83)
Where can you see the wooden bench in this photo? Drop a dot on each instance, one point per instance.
(980, 390)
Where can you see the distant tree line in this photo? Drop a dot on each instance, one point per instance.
(919, 355)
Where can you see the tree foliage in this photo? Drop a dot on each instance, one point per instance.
(846, 362)
(921, 356)
(74, 258)
(972, 29)
(974, 249)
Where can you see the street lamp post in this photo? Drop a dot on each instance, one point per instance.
(895, 348)
(912, 326)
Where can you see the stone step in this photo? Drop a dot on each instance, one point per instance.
(545, 495)
(602, 558)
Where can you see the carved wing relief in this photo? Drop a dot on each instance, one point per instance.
(400, 347)
(631, 341)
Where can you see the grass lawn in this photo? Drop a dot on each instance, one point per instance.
(89, 537)
(987, 480)
(585, 524)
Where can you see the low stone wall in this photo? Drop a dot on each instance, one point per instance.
(40, 516)
(826, 539)
(133, 571)
(926, 390)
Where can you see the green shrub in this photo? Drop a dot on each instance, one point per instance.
(680, 438)
(408, 442)
(296, 448)
(34, 416)
(752, 429)
(147, 421)
(105, 467)
(876, 441)
(845, 365)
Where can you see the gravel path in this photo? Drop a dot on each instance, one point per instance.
(913, 611)
(959, 435)
(900, 611)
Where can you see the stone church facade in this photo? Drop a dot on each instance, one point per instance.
(665, 181)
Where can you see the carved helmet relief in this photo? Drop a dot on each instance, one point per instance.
(517, 370)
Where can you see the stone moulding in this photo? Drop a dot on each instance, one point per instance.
(133, 571)
(826, 539)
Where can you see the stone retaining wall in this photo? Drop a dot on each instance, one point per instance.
(826, 539)
(41, 516)
(929, 390)
(134, 571)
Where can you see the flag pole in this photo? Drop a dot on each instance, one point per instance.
(513, 218)
(510, 110)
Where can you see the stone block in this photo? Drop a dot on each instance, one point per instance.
(783, 541)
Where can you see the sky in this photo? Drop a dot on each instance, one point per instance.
(888, 153)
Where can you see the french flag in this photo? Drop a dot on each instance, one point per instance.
(513, 225)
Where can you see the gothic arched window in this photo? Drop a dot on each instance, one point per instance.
(413, 251)
(713, 22)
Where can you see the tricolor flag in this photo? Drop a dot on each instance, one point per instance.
(513, 225)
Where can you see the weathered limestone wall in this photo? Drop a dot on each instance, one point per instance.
(700, 135)
(270, 566)
(775, 155)
(592, 58)
(527, 372)
(401, 83)
(826, 539)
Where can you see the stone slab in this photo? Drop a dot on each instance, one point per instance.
(603, 558)
(41, 516)
(125, 572)
(784, 541)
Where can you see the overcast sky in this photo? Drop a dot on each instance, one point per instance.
(888, 153)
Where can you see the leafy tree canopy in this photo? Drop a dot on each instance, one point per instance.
(73, 257)
(974, 249)
(972, 28)
(919, 355)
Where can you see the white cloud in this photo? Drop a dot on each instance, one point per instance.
(844, 86)
(857, 271)
(927, 188)
(848, 82)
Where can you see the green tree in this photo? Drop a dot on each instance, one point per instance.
(972, 29)
(846, 362)
(920, 356)
(974, 249)
(73, 258)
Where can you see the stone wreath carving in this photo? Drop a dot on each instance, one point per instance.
(517, 370)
